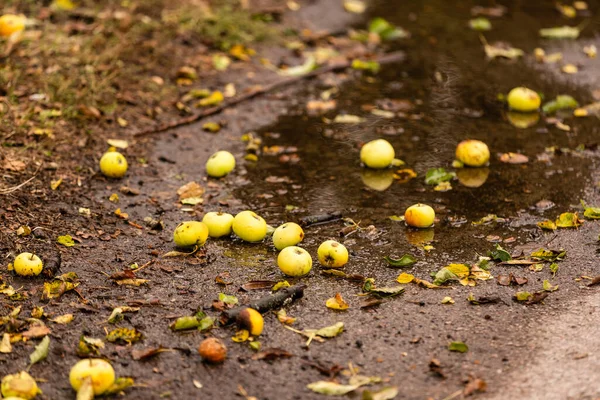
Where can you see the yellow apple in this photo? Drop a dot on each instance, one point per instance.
(378, 180)
(473, 153)
(100, 371)
(288, 234)
(10, 23)
(27, 264)
(377, 154)
(419, 216)
(249, 226)
(523, 99)
(294, 261)
(332, 254)
(220, 164)
(190, 233)
(113, 164)
(20, 385)
(472, 177)
(218, 223)
(251, 320)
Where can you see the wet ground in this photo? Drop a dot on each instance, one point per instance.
(449, 92)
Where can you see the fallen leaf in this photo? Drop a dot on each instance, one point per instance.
(309, 65)
(405, 278)
(89, 346)
(148, 352)
(386, 393)
(480, 24)
(435, 176)
(272, 354)
(514, 158)
(561, 32)
(404, 261)
(561, 102)
(447, 300)
(258, 285)
(475, 385)
(549, 255)
(126, 335)
(337, 303)
(63, 319)
(40, 352)
(522, 296)
(119, 385)
(36, 331)
(5, 346)
(387, 31)
(459, 347)
(501, 49)
(355, 6)
(547, 286)
(347, 119)
(331, 388)
(66, 240)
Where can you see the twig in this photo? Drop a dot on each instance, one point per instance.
(19, 186)
(385, 59)
(266, 303)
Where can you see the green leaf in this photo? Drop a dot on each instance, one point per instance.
(206, 323)
(386, 393)
(480, 24)
(120, 384)
(329, 331)
(309, 65)
(458, 347)
(548, 225)
(385, 30)
(185, 323)
(592, 213)
(554, 268)
(66, 240)
(228, 299)
(404, 261)
(561, 32)
(331, 388)
(547, 286)
(522, 296)
(561, 102)
(387, 291)
(549, 255)
(499, 254)
(371, 66)
(435, 176)
(40, 352)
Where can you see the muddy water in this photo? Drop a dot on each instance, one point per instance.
(454, 92)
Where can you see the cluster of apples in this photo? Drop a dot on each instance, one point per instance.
(247, 225)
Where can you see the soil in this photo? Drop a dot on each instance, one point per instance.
(547, 350)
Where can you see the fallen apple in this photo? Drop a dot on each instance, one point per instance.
(20, 385)
(190, 233)
(213, 350)
(218, 223)
(251, 320)
(332, 254)
(473, 153)
(10, 23)
(113, 164)
(220, 164)
(100, 371)
(249, 226)
(378, 180)
(294, 261)
(523, 99)
(419, 216)
(27, 264)
(288, 234)
(377, 154)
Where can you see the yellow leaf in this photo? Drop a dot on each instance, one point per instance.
(55, 184)
(460, 270)
(241, 336)
(447, 300)
(63, 5)
(213, 100)
(63, 319)
(118, 143)
(337, 303)
(405, 278)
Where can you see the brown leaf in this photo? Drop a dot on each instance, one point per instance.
(537, 297)
(13, 165)
(142, 354)
(125, 274)
(595, 281)
(90, 112)
(514, 158)
(475, 385)
(258, 285)
(371, 302)
(510, 279)
(272, 354)
(435, 366)
(36, 331)
(189, 190)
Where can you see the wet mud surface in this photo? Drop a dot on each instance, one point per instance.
(510, 344)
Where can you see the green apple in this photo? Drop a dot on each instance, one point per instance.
(377, 154)
(113, 164)
(288, 234)
(378, 180)
(332, 254)
(27, 264)
(473, 153)
(523, 99)
(522, 120)
(251, 320)
(190, 233)
(249, 226)
(472, 177)
(419, 216)
(100, 371)
(294, 261)
(220, 164)
(218, 223)
(20, 385)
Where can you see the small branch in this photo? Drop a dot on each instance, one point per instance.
(385, 59)
(320, 219)
(266, 303)
(19, 186)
